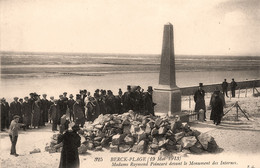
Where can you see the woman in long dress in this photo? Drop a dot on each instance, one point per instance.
(71, 141)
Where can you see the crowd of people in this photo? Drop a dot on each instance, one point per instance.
(35, 112)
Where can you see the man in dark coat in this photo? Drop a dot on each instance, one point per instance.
(62, 107)
(148, 101)
(15, 108)
(45, 107)
(65, 100)
(233, 86)
(199, 100)
(225, 87)
(71, 102)
(78, 112)
(119, 102)
(217, 108)
(54, 112)
(110, 102)
(27, 112)
(4, 114)
(69, 154)
(128, 99)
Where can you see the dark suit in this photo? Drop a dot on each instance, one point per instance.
(148, 103)
(15, 109)
(54, 112)
(78, 114)
(225, 88)
(200, 101)
(233, 86)
(70, 106)
(5, 115)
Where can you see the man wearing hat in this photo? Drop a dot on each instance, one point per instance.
(26, 112)
(128, 99)
(233, 86)
(199, 100)
(13, 133)
(62, 107)
(15, 108)
(78, 112)
(54, 112)
(71, 102)
(148, 101)
(45, 107)
(4, 114)
(119, 102)
(65, 100)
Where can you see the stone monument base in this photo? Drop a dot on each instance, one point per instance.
(168, 101)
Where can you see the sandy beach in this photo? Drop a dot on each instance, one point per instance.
(238, 141)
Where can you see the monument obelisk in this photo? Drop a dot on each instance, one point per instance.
(167, 95)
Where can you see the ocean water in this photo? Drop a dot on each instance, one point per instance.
(22, 74)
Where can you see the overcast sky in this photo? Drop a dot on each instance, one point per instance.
(223, 27)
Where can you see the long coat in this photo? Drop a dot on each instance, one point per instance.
(148, 103)
(54, 112)
(69, 154)
(217, 108)
(45, 108)
(5, 115)
(128, 101)
(78, 114)
(27, 113)
(199, 100)
(36, 113)
(15, 109)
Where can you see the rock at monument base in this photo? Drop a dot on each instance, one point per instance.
(117, 139)
(114, 148)
(197, 148)
(212, 146)
(141, 136)
(82, 149)
(129, 140)
(154, 131)
(188, 142)
(90, 146)
(178, 136)
(105, 141)
(178, 148)
(98, 139)
(148, 129)
(124, 148)
(142, 145)
(162, 142)
(165, 153)
(126, 129)
(98, 148)
(204, 139)
(162, 130)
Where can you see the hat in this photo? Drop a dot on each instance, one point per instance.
(78, 96)
(16, 98)
(128, 87)
(26, 97)
(52, 97)
(97, 90)
(44, 94)
(200, 84)
(71, 95)
(60, 95)
(64, 92)
(16, 116)
(150, 88)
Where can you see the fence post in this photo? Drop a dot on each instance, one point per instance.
(239, 93)
(246, 92)
(189, 102)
